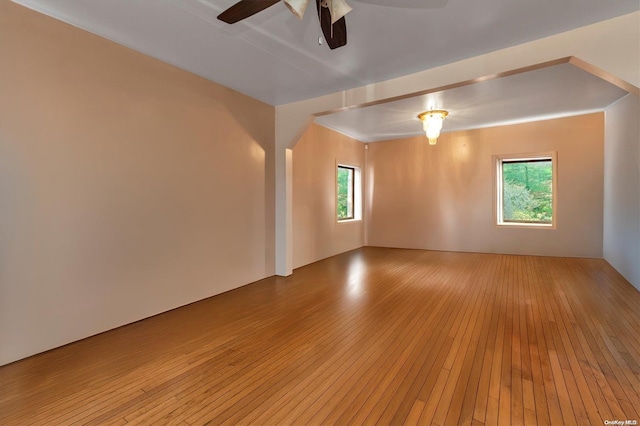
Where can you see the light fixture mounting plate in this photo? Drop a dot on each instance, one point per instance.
(425, 114)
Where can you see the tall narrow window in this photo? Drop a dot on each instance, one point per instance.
(525, 190)
(346, 193)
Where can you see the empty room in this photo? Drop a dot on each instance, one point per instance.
(266, 212)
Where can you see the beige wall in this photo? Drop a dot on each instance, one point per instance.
(441, 197)
(622, 188)
(316, 233)
(127, 187)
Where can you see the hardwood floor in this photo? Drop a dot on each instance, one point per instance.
(372, 336)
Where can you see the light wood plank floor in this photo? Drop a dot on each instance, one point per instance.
(372, 336)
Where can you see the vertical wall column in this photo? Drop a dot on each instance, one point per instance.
(284, 211)
(621, 233)
(288, 132)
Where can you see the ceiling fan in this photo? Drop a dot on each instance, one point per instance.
(330, 13)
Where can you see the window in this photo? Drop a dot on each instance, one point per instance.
(348, 200)
(525, 190)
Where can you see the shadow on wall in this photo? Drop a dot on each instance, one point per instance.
(254, 138)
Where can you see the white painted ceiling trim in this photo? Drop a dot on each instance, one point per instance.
(536, 93)
(587, 43)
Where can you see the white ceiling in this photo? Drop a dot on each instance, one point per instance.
(276, 58)
(551, 92)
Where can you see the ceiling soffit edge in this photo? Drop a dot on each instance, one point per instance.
(592, 69)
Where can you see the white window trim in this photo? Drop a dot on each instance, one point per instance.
(497, 192)
(357, 196)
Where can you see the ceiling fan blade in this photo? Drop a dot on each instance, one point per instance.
(243, 9)
(336, 34)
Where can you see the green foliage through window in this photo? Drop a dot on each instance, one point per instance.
(345, 192)
(527, 191)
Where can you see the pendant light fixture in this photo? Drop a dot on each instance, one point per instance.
(432, 123)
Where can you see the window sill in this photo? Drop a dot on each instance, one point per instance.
(526, 225)
(349, 220)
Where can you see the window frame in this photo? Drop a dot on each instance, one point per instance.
(498, 161)
(356, 192)
(353, 192)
